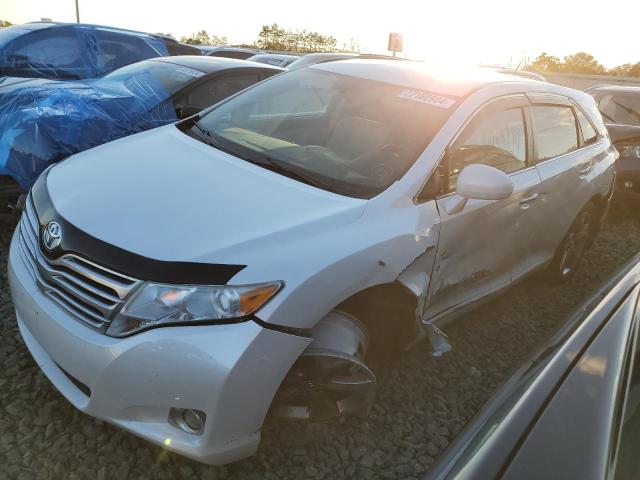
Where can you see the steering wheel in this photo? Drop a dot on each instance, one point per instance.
(382, 165)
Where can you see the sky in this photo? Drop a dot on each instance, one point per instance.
(451, 31)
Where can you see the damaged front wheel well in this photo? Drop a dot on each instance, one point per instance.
(388, 312)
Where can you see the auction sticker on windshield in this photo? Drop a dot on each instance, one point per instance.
(427, 97)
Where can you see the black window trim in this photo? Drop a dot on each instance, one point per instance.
(583, 144)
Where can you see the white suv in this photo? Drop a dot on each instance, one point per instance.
(181, 282)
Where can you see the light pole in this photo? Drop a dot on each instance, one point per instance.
(77, 12)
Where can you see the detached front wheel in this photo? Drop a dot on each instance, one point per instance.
(330, 378)
(573, 246)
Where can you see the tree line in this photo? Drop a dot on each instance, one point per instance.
(203, 38)
(581, 62)
(274, 37)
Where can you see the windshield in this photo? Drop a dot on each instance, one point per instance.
(171, 76)
(349, 135)
(620, 109)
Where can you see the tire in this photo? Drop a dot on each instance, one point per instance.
(577, 240)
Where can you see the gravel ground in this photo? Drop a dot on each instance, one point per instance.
(422, 403)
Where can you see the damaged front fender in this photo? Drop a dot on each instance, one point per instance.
(416, 277)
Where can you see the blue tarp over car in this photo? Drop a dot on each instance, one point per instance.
(72, 51)
(44, 121)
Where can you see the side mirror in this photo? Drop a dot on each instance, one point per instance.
(479, 182)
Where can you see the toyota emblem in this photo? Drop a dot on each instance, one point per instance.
(52, 235)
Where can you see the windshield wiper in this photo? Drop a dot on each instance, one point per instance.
(207, 137)
(265, 161)
(275, 166)
(202, 130)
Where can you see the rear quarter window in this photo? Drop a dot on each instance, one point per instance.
(590, 106)
(589, 134)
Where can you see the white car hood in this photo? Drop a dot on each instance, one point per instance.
(164, 195)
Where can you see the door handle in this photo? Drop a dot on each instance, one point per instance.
(586, 170)
(526, 202)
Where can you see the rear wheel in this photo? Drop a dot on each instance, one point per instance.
(575, 243)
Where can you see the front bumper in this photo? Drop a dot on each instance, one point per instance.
(231, 372)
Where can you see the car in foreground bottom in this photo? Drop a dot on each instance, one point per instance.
(185, 281)
(573, 411)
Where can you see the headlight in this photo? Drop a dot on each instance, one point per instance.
(156, 304)
(630, 151)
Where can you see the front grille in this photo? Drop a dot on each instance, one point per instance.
(89, 291)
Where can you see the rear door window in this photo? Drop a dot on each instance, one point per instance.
(554, 130)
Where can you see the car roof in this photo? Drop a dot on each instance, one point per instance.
(420, 75)
(614, 89)
(213, 64)
(45, 25)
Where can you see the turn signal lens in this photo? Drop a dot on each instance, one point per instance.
(252, 300)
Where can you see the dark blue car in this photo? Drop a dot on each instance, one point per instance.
(69, 51)
(44, 121)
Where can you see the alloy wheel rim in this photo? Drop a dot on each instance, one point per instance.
(325, 385)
